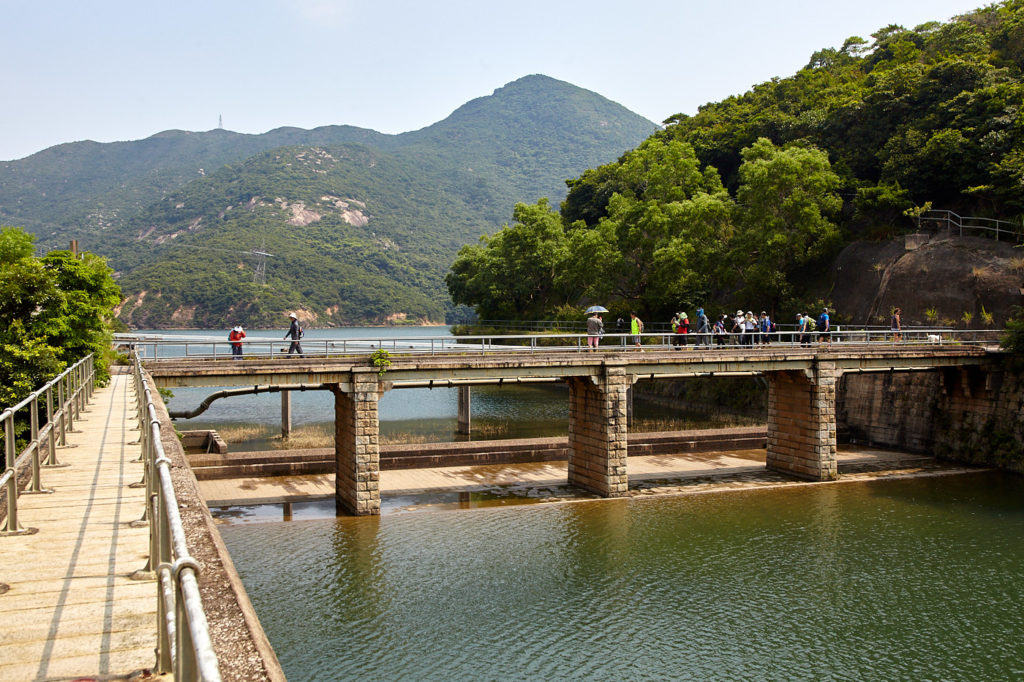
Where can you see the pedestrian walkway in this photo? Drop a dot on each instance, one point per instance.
(72, 610)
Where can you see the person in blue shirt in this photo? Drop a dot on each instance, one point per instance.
(823, 327)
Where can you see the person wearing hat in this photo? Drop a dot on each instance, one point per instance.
(235, 337)
(295, 332)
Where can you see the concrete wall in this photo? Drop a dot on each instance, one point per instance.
(972, 415)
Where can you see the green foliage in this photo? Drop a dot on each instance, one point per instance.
(54, 311)
(750, 198)
(1013, 339)
(381, 359)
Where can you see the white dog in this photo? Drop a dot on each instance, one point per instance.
(934, 338)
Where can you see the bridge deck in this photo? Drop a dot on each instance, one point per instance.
(72, 610)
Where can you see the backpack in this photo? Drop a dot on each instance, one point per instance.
(810, 324)
(771, 326)
(302, 332)
(821, 320)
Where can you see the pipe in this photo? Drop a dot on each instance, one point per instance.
(229, 392)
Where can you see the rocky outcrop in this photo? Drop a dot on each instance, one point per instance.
(936, 280)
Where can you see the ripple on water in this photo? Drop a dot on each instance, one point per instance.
(897, 579)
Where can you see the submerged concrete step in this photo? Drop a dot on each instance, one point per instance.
(431, 455)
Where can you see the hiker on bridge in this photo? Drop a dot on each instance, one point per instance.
(295, 332)
(235, 337)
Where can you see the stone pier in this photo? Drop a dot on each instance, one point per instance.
(802, 422)
(356, 444)
(597, 432)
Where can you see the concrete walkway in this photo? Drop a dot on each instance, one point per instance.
(72, 612)
(670, 468)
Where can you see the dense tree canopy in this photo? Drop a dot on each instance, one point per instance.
(746, 202)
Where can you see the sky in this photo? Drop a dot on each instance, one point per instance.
(124, 70)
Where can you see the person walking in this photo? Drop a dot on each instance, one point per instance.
(896, 324)
(295, 332)
(749, 328)
(823, 328)
(636, 328)
(764, 325)
(719, 330)
(595, 329)
(804, 325)
(235, 337)
(703, 328)
(681, 326)
(737, 326)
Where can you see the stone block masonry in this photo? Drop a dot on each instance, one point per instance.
(356, 445)
(598, 432)
(972, 414)
(801, 422)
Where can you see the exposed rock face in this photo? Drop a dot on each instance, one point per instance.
(934, 282)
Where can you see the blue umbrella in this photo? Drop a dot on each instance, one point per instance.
(596, 309)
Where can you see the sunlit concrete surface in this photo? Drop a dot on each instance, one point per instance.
(669, 468)
(72, 610)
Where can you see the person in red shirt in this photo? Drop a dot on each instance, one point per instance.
(235, 337)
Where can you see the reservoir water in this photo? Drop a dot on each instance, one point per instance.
(902, 579)
(891, 579)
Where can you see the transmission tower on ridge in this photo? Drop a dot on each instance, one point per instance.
(259, 273)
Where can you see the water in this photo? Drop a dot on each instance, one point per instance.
(902, 579)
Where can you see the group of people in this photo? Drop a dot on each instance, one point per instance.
(747, 328)
(295, 332)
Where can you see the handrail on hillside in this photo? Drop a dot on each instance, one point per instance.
(73, 388)
(983, 226)
(184, 646)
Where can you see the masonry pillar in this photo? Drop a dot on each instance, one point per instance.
(356, 446)
(802, 422)
(597, 432)
(465, 411)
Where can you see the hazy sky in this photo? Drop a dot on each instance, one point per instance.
(109, 70)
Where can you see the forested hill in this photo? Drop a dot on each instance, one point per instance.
(362, 225)
(748, 202)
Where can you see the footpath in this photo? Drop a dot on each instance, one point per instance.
(71, 610)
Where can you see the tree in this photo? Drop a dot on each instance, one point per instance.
(53, 311)
(786, 197)
(517, 272)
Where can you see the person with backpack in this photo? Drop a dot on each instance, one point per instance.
(719, 330)
(296, 332)
(805, 325)
(823, 328)
(235, 337)
(681, 327)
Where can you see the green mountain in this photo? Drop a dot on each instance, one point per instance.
(362, 226)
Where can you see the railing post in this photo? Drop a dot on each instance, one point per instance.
(51, 436)
(37, 484)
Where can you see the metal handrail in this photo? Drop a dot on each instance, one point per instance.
(174, 349)
(184, 646)
(972, 223)
(73, 387)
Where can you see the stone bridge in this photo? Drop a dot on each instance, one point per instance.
(801, 397)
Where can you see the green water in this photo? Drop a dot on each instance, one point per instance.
(912, 579)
